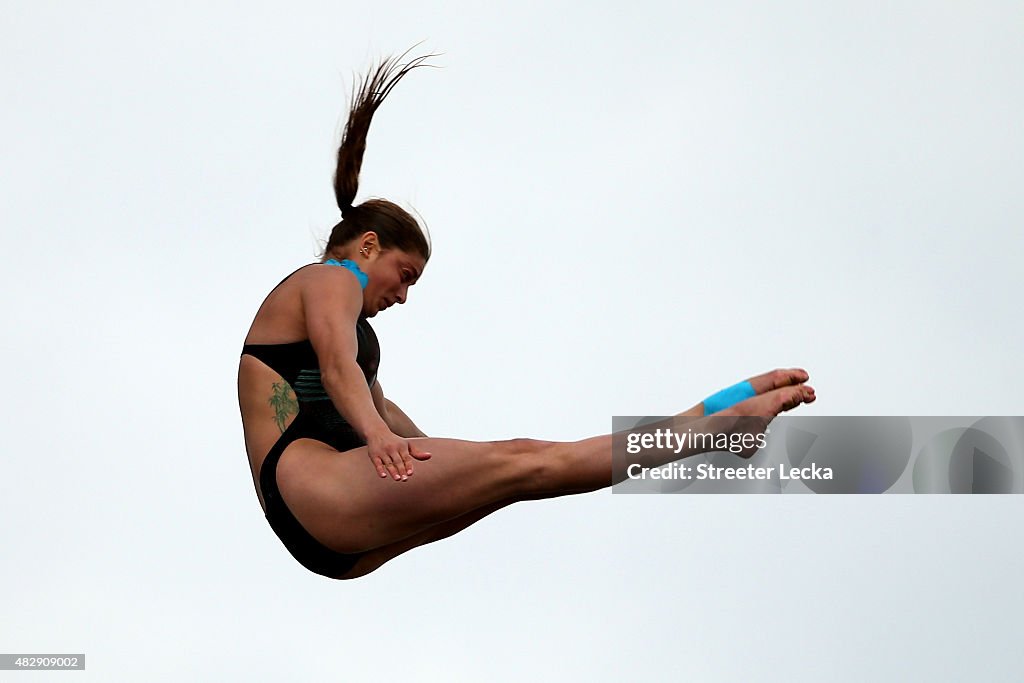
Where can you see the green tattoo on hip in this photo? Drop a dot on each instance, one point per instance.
(283, 402)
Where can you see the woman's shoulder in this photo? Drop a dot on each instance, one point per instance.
(316, 273)
(295, 274)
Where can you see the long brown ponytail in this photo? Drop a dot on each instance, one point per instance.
(394, 226)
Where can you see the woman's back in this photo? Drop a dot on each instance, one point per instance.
(265, 399)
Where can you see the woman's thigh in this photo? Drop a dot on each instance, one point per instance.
(342, 501)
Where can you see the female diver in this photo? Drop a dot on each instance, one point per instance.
(333, 460)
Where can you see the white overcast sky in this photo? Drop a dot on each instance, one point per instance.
(632, 205)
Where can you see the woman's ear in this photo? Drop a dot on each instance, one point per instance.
(369, 243)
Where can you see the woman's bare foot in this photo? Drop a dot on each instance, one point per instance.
(772, 401)
(762, 384)
(777, 392)
(742, 423)
(777, 379)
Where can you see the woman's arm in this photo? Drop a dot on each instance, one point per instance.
(395, 418)
(332, 301)
(400, 422)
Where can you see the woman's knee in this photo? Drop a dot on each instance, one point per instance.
(522, 446)
(531, 462)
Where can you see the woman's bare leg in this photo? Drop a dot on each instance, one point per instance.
(374, 559)
(341, 501)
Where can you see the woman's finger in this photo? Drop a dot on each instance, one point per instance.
(379, 464)
(392, 468)
(406, 468)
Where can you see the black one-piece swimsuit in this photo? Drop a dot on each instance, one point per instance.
(318, 419)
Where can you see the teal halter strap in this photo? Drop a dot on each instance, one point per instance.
(351, 265)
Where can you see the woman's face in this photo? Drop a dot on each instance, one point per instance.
(391, 273)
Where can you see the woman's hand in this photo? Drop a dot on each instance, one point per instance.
(394, 454)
